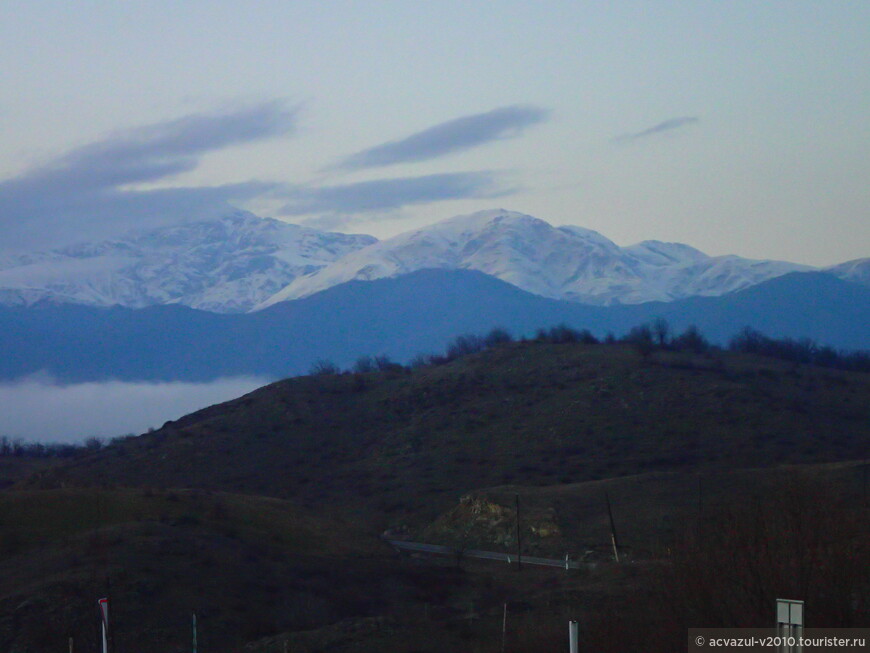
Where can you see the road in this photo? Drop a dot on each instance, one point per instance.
(509, 558)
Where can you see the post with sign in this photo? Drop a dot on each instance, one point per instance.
(790, 624)
(104, 622)
(613, 539)
(573, 636)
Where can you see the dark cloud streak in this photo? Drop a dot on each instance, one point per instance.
(81, 194)
(667, 125)
(449, 137)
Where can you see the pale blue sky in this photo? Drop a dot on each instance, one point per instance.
(736, 127)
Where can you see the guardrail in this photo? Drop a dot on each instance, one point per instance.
(510, 558)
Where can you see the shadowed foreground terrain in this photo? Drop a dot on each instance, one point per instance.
(263, 515)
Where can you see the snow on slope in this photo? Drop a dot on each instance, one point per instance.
(240, 262)
(565, 263)
(857, 271)
(229, 264)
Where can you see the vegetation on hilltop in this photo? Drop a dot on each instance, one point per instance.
(402, 445)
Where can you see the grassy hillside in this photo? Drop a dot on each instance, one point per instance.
(650, 510)
(248, 566)
(405, 445)
(273, 536)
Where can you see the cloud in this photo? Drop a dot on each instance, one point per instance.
(667, 125)
(391, 194)
(85, 191)
(448, 137)
(38, 409)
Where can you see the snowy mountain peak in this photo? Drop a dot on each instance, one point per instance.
(660, 253)
(238, 262)
(229, 264)
(857, 271)
(568, 262)
(593, 237)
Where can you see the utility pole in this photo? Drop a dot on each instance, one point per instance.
(504, 628)
(519, 542)
(613, 539)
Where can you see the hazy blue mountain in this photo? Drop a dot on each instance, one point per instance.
(401, 317)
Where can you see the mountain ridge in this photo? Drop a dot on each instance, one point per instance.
(566, 262)
(225, 265)
(400, 317)
(240, 262)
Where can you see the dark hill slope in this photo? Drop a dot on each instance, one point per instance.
(248, 566)
(401, 317)
(649, 510)
(405, 445)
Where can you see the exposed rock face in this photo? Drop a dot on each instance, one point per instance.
(488, 522)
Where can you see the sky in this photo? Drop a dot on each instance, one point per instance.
(736, 127)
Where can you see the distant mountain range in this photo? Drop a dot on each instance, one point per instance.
(403, 316)
(244, 295)
(568, 263)
(228, 265)
(242, 262)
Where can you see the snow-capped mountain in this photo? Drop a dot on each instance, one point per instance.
(241, 262)
(857, 271)
(224, 265)
(564, 263)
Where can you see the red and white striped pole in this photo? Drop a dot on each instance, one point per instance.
(104, 622)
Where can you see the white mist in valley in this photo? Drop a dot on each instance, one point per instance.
(41, 409)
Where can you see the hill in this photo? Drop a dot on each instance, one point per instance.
(403, 445)
(262, 514)
(650, 510)
(247, 566)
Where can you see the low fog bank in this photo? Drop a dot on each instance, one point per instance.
(40, 409)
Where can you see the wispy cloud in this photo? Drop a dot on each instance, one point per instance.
(86, 191)
(449, 137)
(392, 194)
(667, 125)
